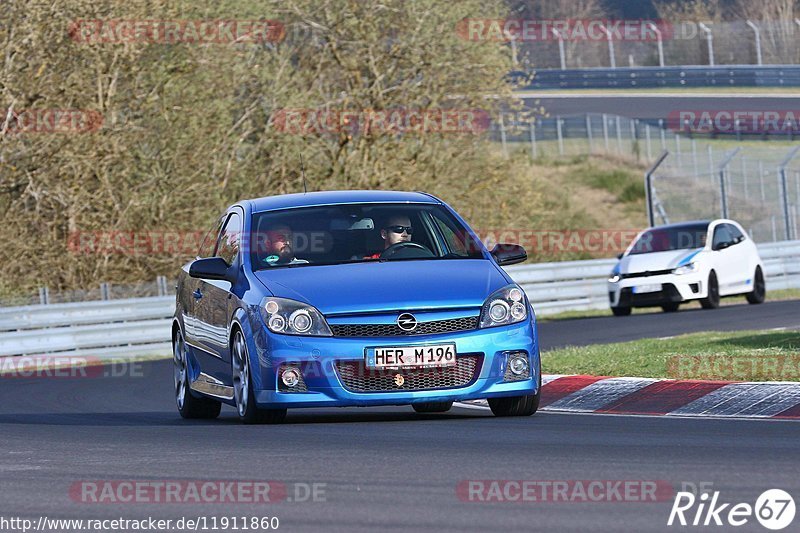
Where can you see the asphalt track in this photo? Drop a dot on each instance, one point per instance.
(608, 329)
(386, 468)
(655, 105)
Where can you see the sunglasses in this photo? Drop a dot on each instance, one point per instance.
(400, 229)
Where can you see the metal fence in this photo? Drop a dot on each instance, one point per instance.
(654, 77)
(753, 42)
(756, 183)
(103, 291)
(141, 326)
(578, 135)
(757, 187)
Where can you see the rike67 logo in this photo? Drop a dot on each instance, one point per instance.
(774, 509)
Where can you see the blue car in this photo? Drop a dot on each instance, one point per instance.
(350, 298)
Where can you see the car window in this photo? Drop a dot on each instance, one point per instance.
(454, 238)
(210, 239)
(348, 233)
(228, 246)
(737, 235)
(722, 234)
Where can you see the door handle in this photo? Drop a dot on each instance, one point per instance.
(197, 294)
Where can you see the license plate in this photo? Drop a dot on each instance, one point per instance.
(411, 356)
(654, 287)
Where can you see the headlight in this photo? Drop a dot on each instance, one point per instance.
(614, 278)
(506, 306)
(282, 315)
(685, 269)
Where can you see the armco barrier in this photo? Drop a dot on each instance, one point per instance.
(649, 77)
(140, 326)
(581, 285)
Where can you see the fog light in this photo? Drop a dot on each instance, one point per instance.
(290, 377)
(518, 365)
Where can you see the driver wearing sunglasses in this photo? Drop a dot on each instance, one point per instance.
(396, 229)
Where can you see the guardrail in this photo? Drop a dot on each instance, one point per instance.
(139, 326)
(650, 77)
(581, 285)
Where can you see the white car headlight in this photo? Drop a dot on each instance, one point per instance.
(505, 306)
(685, 269)
(614, 278)
(291, 317)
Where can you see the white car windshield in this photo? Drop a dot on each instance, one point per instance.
(665, 239)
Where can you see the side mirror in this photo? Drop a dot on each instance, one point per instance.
(619, 256)
(509, 254)
(210, 268)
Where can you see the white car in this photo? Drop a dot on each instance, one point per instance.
(668, 265)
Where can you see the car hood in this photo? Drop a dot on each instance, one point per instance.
(632, 264)
(387, 286)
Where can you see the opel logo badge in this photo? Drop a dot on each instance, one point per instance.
(407, 322)
(399, 380)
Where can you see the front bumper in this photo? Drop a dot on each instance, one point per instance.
(319, 358)
(674, 289)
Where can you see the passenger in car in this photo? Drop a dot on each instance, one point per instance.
(278, 246)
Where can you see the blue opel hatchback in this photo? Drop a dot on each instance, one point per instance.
(350, 298)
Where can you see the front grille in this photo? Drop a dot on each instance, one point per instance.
(667, 294)
(357, 377)
(646, 274)
(393, 330)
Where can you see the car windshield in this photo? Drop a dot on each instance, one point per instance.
(671, 238)
(354, 233)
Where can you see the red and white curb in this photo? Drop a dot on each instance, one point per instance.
(667, 397)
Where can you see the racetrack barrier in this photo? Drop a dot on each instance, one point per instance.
(141, 326)
(652, 77)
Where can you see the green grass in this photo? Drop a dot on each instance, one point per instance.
(625, 185)
(734, 356)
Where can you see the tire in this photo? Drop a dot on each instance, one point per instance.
(189, 406)
(432, 407)
(621, 311)
(670, 307)
(712, 300)
(517, 405)
(243, 394)
(759, 293)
